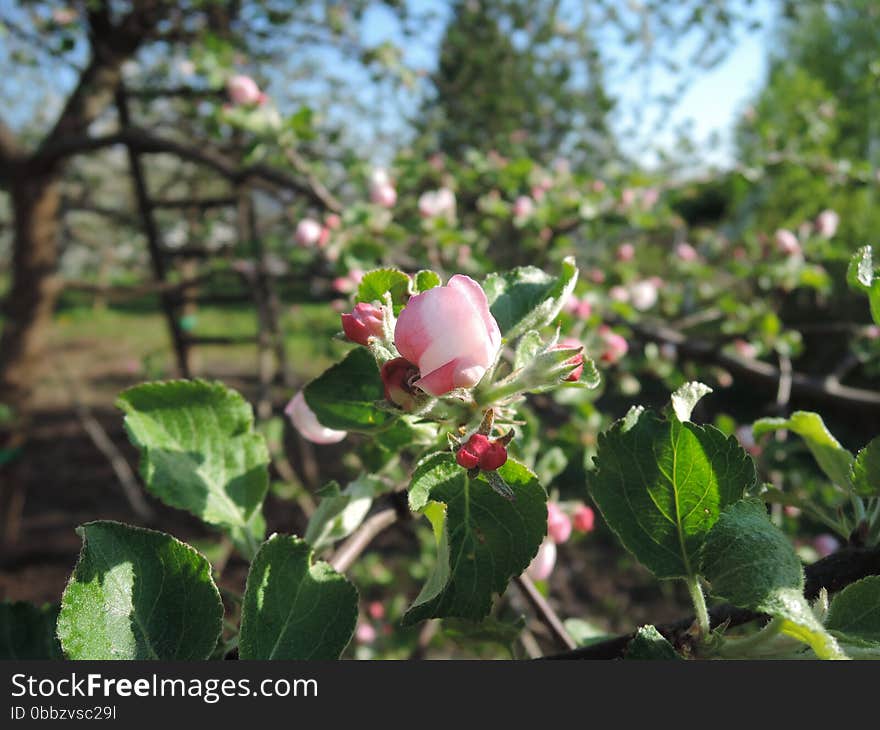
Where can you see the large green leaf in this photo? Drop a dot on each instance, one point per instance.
(528, 298)
(855, 612)
(345, 396)
(138, 594)
(750, 562)
(28, 631)
(293, 608)
(199, 450)
(341, 511)
(661, 484)
(865, 472)
(833, 459)
(483, 539)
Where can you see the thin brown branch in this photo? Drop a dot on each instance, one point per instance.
(833, 574)
(544, 611)
(361, 538)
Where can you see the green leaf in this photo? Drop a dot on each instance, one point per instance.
(650, 644)
(865, 471)
(138, 594)
(340, 512)
(833, 459)
(661, 484)
(750, 562)
(199, 450)
(686, 397)
(483, 539)
(425, 280)
(375, 283)
(344, 397)
(583, 633)
(528, 298)
(293, 608)
(28, 631)
(860, 272)
(528, 347)
(855, 612)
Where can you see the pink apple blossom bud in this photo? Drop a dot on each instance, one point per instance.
(618, 294)
(614, 345)
(787, 242)
(597, 186)
(376, 610)
(650, 196)
(644, 294)
(747, 440)
(626, 252)
(686, 252)
(437, 203)
(464, 256)
(538, 193)
(745, 349)
(558, 523)
(523, 207)
(308, 232)
(568, 343)
(826, 544)
(872, 332)
(597, 276)
(364, 633)
(627, 197)
(306, 422)
(542, 564)
(398, 378)
(449, 333)
(826, 223)
(384, 195)
(243, 90)
(791, 511)
(332, 221)
(584, 309)
(584, 519)
(364, 322)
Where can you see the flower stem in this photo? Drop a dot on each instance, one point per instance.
(699, 601)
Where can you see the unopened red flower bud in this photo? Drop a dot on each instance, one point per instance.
(615, 346)
(480, 451)
(398, 376)
(376, 610)
(363, 322)
(584, 519)
(566, 344)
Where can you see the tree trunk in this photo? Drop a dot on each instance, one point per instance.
(35, 285)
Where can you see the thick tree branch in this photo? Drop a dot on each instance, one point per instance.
(824, 389)
(145, 142)
(833, 574)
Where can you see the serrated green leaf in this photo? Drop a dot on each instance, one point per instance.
(686, 398)
(375, 283)
(344, 396)
(293, 608)
(750, 562)
(855, 612)
(528, 298)
(138, 594)
(661, 484)
(28, 631)
(832, 458)
(484, 539)
(340, 514)
(425, 280)
(199, 451)
(650, 644)
(865, 471)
